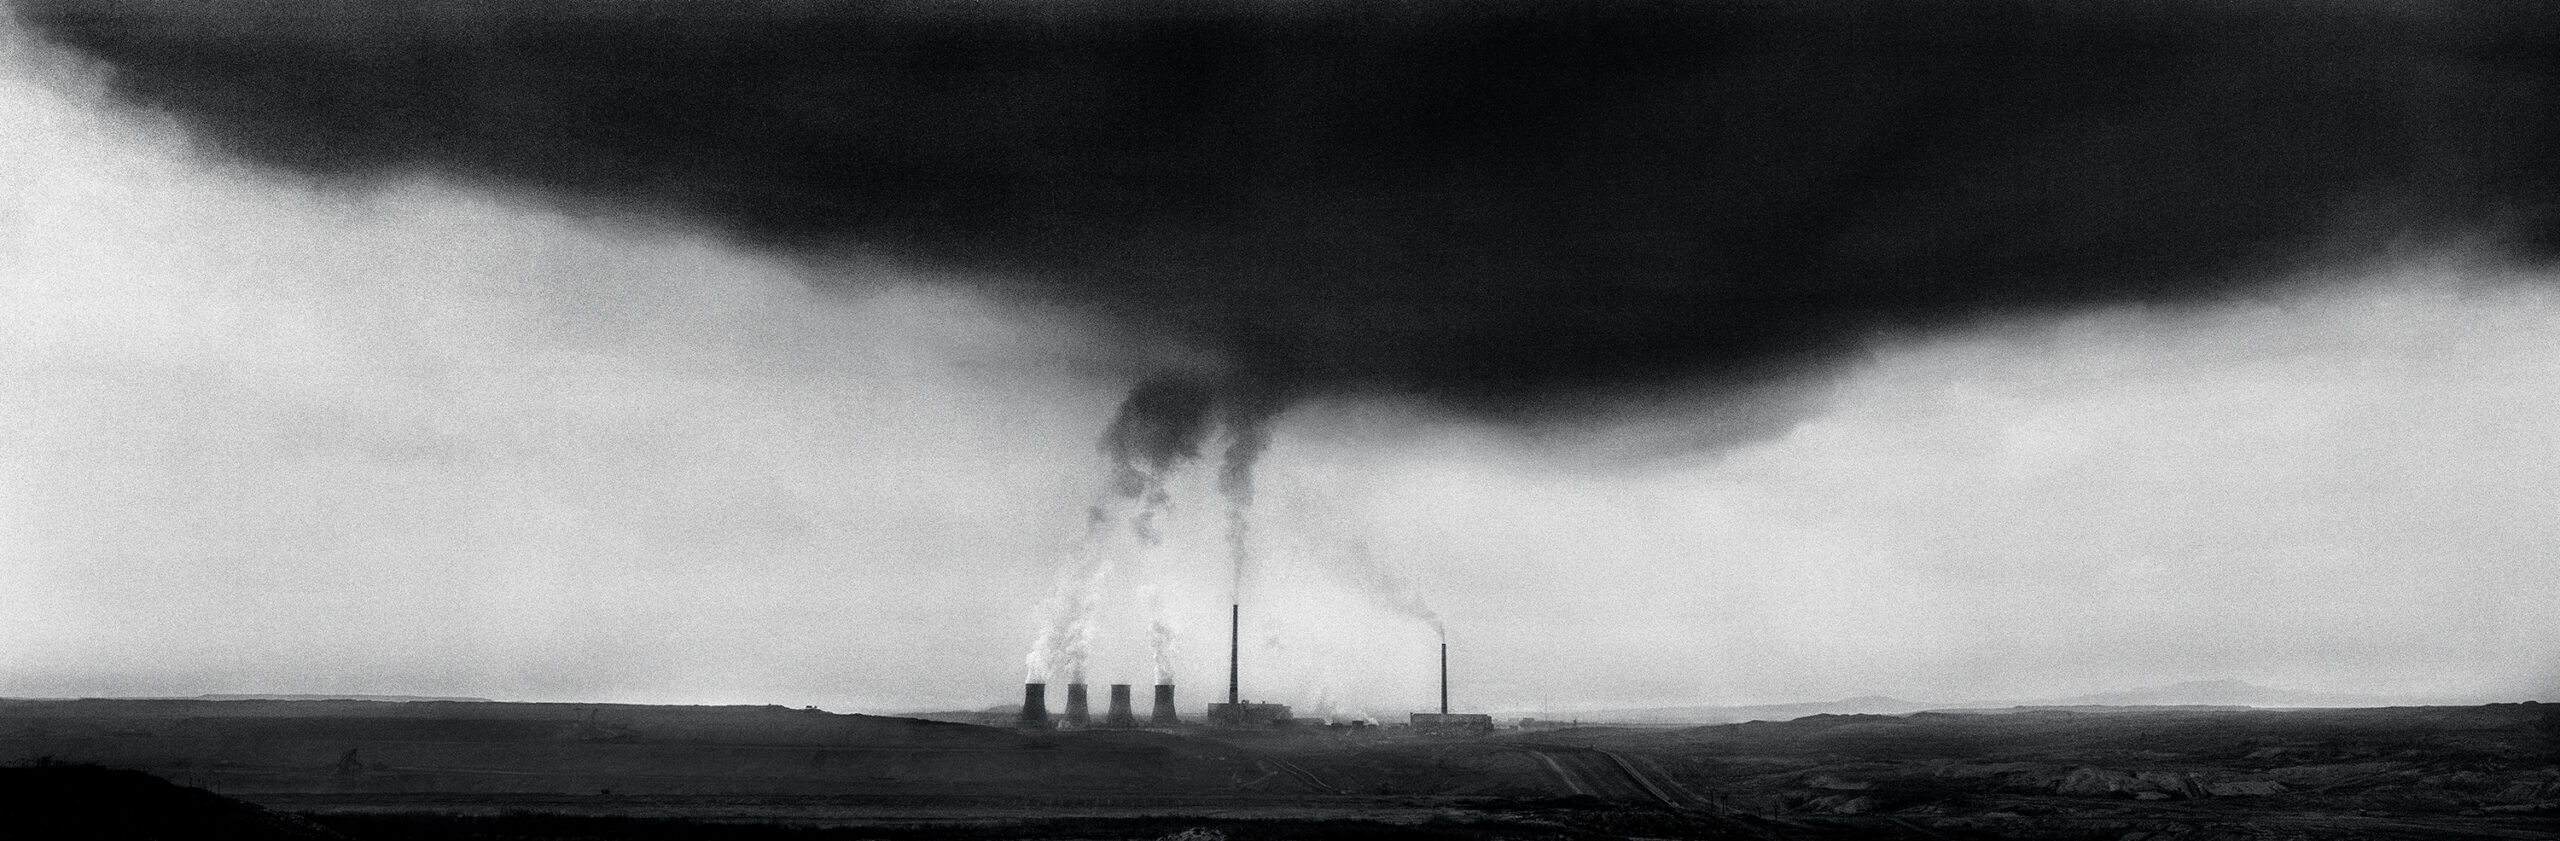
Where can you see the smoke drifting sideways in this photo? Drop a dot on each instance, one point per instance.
(1364, 571)
(1518, 210)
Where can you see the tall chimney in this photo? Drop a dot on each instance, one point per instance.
(1164, 715)
(1079, 713)
(1444, 678)
(1120, 714)
(1235, 633)
(1035, 707)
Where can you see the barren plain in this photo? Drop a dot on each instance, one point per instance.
(420, 770)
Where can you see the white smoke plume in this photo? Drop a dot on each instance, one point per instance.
(1160, 628)
(1157, 431)
(1066, 633)
(1066, 636)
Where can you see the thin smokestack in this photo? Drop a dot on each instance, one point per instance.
(1164, 715)
(1235, 633)
(1120, 715)
(1444, 678)
(1035, 706)
(1079, 712)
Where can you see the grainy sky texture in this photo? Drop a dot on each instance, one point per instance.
(2055, 375)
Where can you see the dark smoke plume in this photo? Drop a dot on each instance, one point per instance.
(1159, 427)
(1248, 416)
(1507, 205)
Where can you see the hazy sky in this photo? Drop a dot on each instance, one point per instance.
(424, 433)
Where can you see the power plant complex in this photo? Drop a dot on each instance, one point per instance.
(1234, 713)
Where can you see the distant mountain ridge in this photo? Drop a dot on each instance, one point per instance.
(1861, 705)
(2227, 693)
(2194, 693)
(263, 697)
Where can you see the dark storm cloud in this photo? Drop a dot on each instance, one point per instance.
(1485, 202)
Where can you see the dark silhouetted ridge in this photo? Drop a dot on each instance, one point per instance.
(64, 801)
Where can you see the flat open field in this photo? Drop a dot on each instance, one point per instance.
(385, 770)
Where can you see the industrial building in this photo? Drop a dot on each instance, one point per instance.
(1445, 722)
(1452, 723)
(1236, 713)
(1246, 714)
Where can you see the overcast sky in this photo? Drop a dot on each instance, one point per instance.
(421, 433)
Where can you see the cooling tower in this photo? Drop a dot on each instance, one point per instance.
(1120, 714)
(1164, 715)
(1035, 707)
(1079, 713)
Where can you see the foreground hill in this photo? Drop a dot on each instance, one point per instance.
(350, 747)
